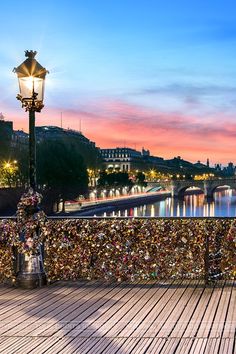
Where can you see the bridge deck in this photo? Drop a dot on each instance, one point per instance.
(95, 317)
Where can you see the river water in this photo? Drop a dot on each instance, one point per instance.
(223, 205)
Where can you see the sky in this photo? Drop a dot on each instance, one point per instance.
(136, 73)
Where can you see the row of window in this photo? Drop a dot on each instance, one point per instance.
(116, 159)
(115, 155)
(123, 167)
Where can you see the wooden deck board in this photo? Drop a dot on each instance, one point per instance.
(38, 309)
(142, 311)
(101, 346)
(110, 346)
(184, 345)
(163, 296)
(210, 311)
(65, 345)
(141, 345)
(35, 348)
(55, 313)
(170, 346)
(198, 346)
(175, 317)
(13, 344)
(188, 311)
(6, 290)
(95, 310)
(105, 314)
(220, 322)
(227, 345)
(198, 314)
(124, 314)
(177, 312)
(89, 345)
(230, 319)
(30, 345)
(156, 345)
(20, 310)
(128, 345)
(20, 298)
(89, 306)
(166, 311)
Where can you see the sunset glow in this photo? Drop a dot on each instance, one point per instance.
(137, 74)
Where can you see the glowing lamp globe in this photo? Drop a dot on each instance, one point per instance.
(31, 77)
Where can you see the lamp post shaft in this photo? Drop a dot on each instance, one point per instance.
(29, 266)
(32, 150)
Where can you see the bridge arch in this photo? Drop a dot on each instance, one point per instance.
(180, 193)
(213, 189)
(178, 187)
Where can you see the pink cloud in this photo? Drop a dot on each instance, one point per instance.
(112, 123)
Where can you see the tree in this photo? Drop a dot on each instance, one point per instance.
(140, 179)
(5, 138)
(9, 173)
(61, 169)
(114, 179)
(90, 153)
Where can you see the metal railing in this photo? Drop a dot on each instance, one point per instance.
(128, 248)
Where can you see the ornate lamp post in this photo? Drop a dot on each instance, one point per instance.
(29, 264)
(31, 76)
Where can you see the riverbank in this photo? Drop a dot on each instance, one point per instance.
(110, 205)
(114, 204)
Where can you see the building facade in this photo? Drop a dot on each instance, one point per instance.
(54, 132)
(122, 159)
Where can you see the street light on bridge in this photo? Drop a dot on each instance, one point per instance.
(29, 268)
(31, 76)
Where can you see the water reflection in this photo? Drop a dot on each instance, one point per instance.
(224, 204)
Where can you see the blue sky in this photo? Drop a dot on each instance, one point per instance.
(141, 73)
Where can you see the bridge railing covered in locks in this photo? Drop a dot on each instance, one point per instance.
(130, 248)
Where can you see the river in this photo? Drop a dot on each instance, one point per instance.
(223, 205)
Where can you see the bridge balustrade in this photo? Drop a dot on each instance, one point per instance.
(117, 249)
(178, 187)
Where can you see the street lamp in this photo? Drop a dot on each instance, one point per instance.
(31, 76)
(29, 268)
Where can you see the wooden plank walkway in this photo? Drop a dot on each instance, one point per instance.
(182, 317)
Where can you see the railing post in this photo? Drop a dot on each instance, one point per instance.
(206, 257)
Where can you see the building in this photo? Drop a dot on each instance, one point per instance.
(229, 170)
(6, 134)
(218, 167)
(145, 152)
(20, 138)
(201, 165)
(53, 132)
(6, 129)
(122, 159)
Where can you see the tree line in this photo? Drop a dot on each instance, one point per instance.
(61, 166)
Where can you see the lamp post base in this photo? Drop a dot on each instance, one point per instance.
(31, 281)
(30, 271)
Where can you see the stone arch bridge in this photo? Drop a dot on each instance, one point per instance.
(178, 187)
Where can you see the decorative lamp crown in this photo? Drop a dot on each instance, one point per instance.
(31, 76)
